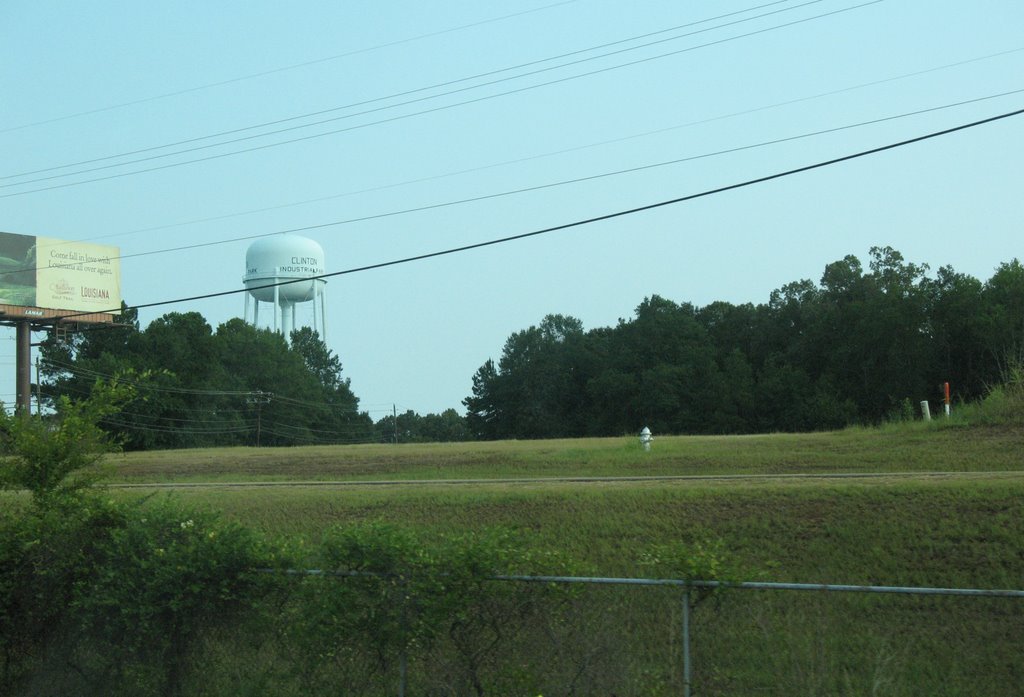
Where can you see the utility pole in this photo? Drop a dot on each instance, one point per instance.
(259, 398)
(394, 417)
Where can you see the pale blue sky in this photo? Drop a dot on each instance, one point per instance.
(413, 335)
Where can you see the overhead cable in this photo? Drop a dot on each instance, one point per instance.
(540, 187)
(398, 95)
(88, 372)
(379, 122)
(293, 66)
(585, 221)
(553, 153)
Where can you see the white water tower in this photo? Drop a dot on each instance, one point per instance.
(281, 270)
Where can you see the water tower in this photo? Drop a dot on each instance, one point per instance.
(280, 270)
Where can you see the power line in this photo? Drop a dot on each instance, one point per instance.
(310, 440)
(76, 369)
(591, 220)
(158, 423)
(282, 69)
(356, 428)
(553, 153)
(386, 120)
(198, 426)
(178, 429)
(549, 185)
(396, 95)
(88, 372)
(174, 419)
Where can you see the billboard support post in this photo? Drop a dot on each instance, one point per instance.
(23, 359)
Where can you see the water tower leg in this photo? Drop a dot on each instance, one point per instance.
(316, 292)
(245, 312)
(256, 313)
(277, 305)
(287, 319)
(323, 313)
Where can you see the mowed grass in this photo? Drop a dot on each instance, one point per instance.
(960, 528)
(964, 528)
(962, 531)
(959, 531)
(911, 448)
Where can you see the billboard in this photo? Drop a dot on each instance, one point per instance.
(42, 272)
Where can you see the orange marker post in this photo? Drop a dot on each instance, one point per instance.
(946, 406)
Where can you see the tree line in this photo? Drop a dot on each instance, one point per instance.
(200, 387)
(234, 385)
(859, 346)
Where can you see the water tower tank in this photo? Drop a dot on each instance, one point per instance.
(274, 271)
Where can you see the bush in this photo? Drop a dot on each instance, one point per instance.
(45, 554)
(391, 600)
(97, 598)
(1003, 405)
(47, 455)
(160, 582)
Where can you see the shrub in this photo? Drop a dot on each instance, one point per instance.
(45, 553)
(392, 599)
(99, 598)
(41, 453)
(1002, 405)
(700, 560)
(157, 584)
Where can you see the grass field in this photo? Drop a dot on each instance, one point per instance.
(964, 529)
(939, 531)
(910, 448)
(956, 520)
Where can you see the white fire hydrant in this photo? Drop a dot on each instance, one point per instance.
(646, 438)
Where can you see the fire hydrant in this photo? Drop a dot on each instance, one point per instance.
(646, 438)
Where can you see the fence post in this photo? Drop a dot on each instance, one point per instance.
(403, 659)
(686, 641)
(403, 667)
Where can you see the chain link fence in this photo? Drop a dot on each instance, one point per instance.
(614, 636)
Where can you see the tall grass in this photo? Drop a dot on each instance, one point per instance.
(934, 532)
(1002, 406)
(963, 531)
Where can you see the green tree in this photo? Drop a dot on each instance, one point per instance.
(1003, 297)
(46, 550)
(182, 406)
(673, 363)
(337, 413)
(854, 347)
(320, 360)
(537, 388)
(232, 386)
(448, 426)
(891, 337)
(48, 455)
(958, 333)
(410, 427)
(71, 361)
(485, 406)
